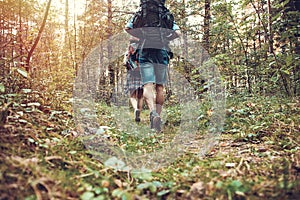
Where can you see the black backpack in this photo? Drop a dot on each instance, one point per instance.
(153, 13)
(155, 22)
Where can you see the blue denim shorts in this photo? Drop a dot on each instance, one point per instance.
(153, 65)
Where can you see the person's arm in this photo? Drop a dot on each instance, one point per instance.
(135, 32)
(175, 33)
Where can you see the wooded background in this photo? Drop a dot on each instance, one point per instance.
(255, 44)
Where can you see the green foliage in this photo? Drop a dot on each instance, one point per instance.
(2, 88)
(257, 157)
(259, 138)
(233, 188)
(244, 57)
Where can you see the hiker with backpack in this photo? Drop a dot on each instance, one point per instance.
(154, 27)
(134, 84)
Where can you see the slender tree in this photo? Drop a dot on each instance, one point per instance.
(109, 47)
(66, 27)
(271, 48)
(38, 37)
(206, 26)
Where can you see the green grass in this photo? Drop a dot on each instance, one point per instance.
(257, 156)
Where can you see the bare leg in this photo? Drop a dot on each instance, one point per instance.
(159, 98)
(133, 100)
(140, 99)
(155, 120)
(149, 96)
(136, 100)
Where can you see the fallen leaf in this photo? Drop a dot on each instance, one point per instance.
(197, 190)
(118, 182)
(230, 165)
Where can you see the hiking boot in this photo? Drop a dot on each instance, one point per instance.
(137, 114)
(155, 121)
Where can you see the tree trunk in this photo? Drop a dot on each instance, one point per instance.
(187, 69)
(38, 37)
(66, 27)
(111, 71)
(75, 64)
(109, 34)
(206, 28)
(20, 32)
(271, 48)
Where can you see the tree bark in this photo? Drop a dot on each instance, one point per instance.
(110, 67)
(66, 22)
(271, 48)
(109, 47)
(206, 28)
(27, 67)
(74, 56)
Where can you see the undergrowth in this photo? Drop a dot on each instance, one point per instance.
(42, 157)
